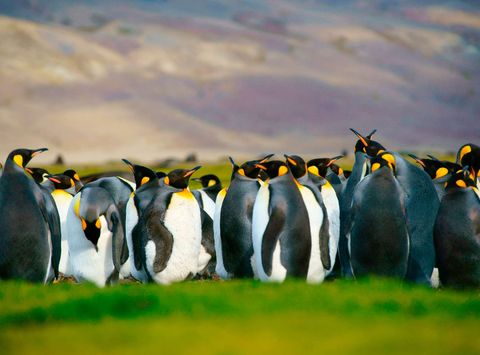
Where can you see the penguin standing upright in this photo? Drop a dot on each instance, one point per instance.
(206, 197)
(363, 147)
(30, 250)
(378, 239)
(95, 236)
(457, 233)
(62, 193)
(233, 221)
(147, 185)
(280, 227)
(72, 174)
(327, 169)
(324, 240)
(170, 231)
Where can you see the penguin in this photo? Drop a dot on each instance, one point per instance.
(457, 233)
(439, 171)
(233, 221)
(62, 193)
(364, 146)
(332, 172)
(95, 234)
(31, 251)
(378, 238)
(206, 197)
(280, 227)
(40, 175)
(170, 231)
(72, 174)
(324, 239)
(469, 155)
(332, 206)
(147, 185)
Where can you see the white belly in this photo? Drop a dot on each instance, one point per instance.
(88, 264)
(316, 272)
(333, 211)
(183, 220)
(208, 204)
(219, 267)
(62, 201)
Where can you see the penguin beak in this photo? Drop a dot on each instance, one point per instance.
(362, 139)
(290, 160)
(130, 165)
(266, 158)
(38, 151)
(369, 136)
(191, 171)
(28, 170)
(260, 166)
(334, 159)
(51, 178)
(417, 159)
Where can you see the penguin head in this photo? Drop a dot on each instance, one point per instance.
(160, 174)
(383, 159)
(275, 168)
(72, 174)
(469, 155)
(39, 174)
(61, 181)
(250, 169)
(141, 174)
(320, 166)
(296, 164)
(179, 178)
(208, 180)
(435, 168)
(461, 179)
(22, 157)
(92, 230)
(367, 145)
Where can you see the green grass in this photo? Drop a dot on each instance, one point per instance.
(234, 317)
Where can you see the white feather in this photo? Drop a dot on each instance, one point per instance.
(333, 212)
(208, 204)
(62, 201)
(219, 268)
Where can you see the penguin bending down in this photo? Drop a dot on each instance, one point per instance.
(95, 236)
(62, 193)
(233, 221)
(439, 171)
(378, 239)
(324, 238)
(30, 241)
(364, 146)
(170, 231)
(281, 229)
(206, 197)
(457, 233)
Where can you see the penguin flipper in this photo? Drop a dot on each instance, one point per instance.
(325, 240)
(50, 214)
(270, 238)
(162, 238)
(207, 233)
(118, 237)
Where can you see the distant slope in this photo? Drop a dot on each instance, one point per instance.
(100, 79)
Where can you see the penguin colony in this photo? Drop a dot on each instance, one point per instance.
(277, 219)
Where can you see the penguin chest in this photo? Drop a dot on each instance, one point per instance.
(183, 220)
(333, 214)
(316, 272)
(208, 204)
(62, 201)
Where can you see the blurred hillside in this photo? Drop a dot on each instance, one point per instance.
(145, 79)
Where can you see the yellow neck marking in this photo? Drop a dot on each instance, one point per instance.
(460, 183)
(76, 207)
(223, 192)
(145, 179)
(212, 183)
(185, 193)
(282, 170)
(18, 159)
(441, 172)
(465, 150)
(314, 170)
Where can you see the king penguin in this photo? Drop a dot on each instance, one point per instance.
(378, 239)
(329, 170)
(233, 221)
(206, 197)
(170, 231)
(364, 146)
(280, 227)
(72, 174)
(323, 238)
(457, 233)
(95, 234)
(62, 193)
(469, 155)
(30, 240)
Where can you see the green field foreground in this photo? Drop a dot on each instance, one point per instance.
(238, 317)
